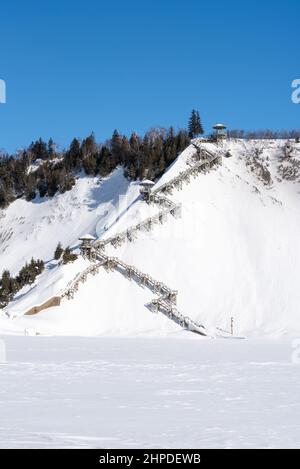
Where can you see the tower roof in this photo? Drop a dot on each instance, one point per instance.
(87, 237)
(147, 182)
(219, 126)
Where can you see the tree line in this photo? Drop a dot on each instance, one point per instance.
(42, 170)
(9, 285)
(264, 134)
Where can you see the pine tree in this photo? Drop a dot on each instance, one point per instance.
(39, 150)
(195, 125)
(51, 148)
(89, 146)
(90, 164)
(104, 162)
(58, 251)
(6, 281)
(74, 155)
(29, 191)
(116, 144)
(68, 256)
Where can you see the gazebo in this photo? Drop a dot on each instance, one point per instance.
(146, 186)
(220, 132)
(86, 243)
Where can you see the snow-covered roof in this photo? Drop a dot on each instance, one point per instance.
(87, 237)
(147, 182)
(219, 126)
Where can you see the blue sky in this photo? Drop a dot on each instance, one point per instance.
(72, 67)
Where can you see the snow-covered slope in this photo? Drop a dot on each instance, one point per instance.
(34, 228)
(234, 253)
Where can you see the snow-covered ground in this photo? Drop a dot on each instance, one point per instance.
(151, 393)
(234, 253)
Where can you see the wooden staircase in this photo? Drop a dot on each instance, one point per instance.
(165, 301)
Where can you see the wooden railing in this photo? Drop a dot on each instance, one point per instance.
(165, 302)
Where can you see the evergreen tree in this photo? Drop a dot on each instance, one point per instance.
(58, 252)
(5, 288)
(29, 272)
(73, 156)
(9, 286)
(140, 157)
(38, 150)
(89, 146)
(104, 165)
(90, 164)
(195, 125)
(29, 191)
(53, 182)
(51, 148)
(68, 256)
(116, 146)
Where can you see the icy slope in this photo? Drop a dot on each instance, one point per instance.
(234, 253)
